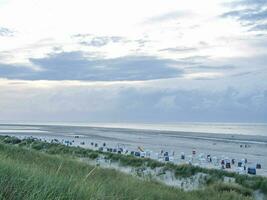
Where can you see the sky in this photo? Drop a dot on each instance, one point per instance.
(133, 61)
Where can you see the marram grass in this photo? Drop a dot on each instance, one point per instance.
(30, 174)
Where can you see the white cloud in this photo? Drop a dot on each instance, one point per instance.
(200, 63)
(189, 24)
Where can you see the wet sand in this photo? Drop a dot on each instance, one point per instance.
(219, 145)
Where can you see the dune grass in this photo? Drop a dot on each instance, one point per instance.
(31, 169)
(251, 182)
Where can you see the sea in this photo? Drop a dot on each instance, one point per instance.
(196, 127)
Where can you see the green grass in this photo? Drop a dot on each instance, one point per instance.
(28, 174)
(32, 169)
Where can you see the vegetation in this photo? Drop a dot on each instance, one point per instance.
(31, 169)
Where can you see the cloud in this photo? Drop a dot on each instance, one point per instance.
(14, 71)
(142, 42)
(179, 49)
(210, 68)
(249, 15)
(253, 14)
(257, 3)
(195, 59)
(174, 62)
(259, 27)
(5, 32)
(219, 100)
(97, 41)
(77, 66)
(169, 16)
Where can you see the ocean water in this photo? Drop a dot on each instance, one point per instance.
(219, 128)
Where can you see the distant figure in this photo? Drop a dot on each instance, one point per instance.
(208, 158)
(228, 165)
(258, 166)
(233, 161)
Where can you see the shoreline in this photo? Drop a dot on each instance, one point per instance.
(216, 137)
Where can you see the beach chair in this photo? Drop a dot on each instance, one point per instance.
(252, 170)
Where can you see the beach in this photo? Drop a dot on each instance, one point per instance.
(232, 146)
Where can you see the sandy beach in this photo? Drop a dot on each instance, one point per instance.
(219, 145)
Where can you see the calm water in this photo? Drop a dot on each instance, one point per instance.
(223, 128)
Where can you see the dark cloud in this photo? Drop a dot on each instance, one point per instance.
(14, 71)
(259, 27)
(229, 99)
(255, 3)
(140, 104)
(249, 15)
(75, 66)
(252, 13)
(5, 32)
(193, 105)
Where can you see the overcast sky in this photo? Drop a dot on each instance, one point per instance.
(133, 61)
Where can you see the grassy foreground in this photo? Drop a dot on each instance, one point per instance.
(26, 173)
